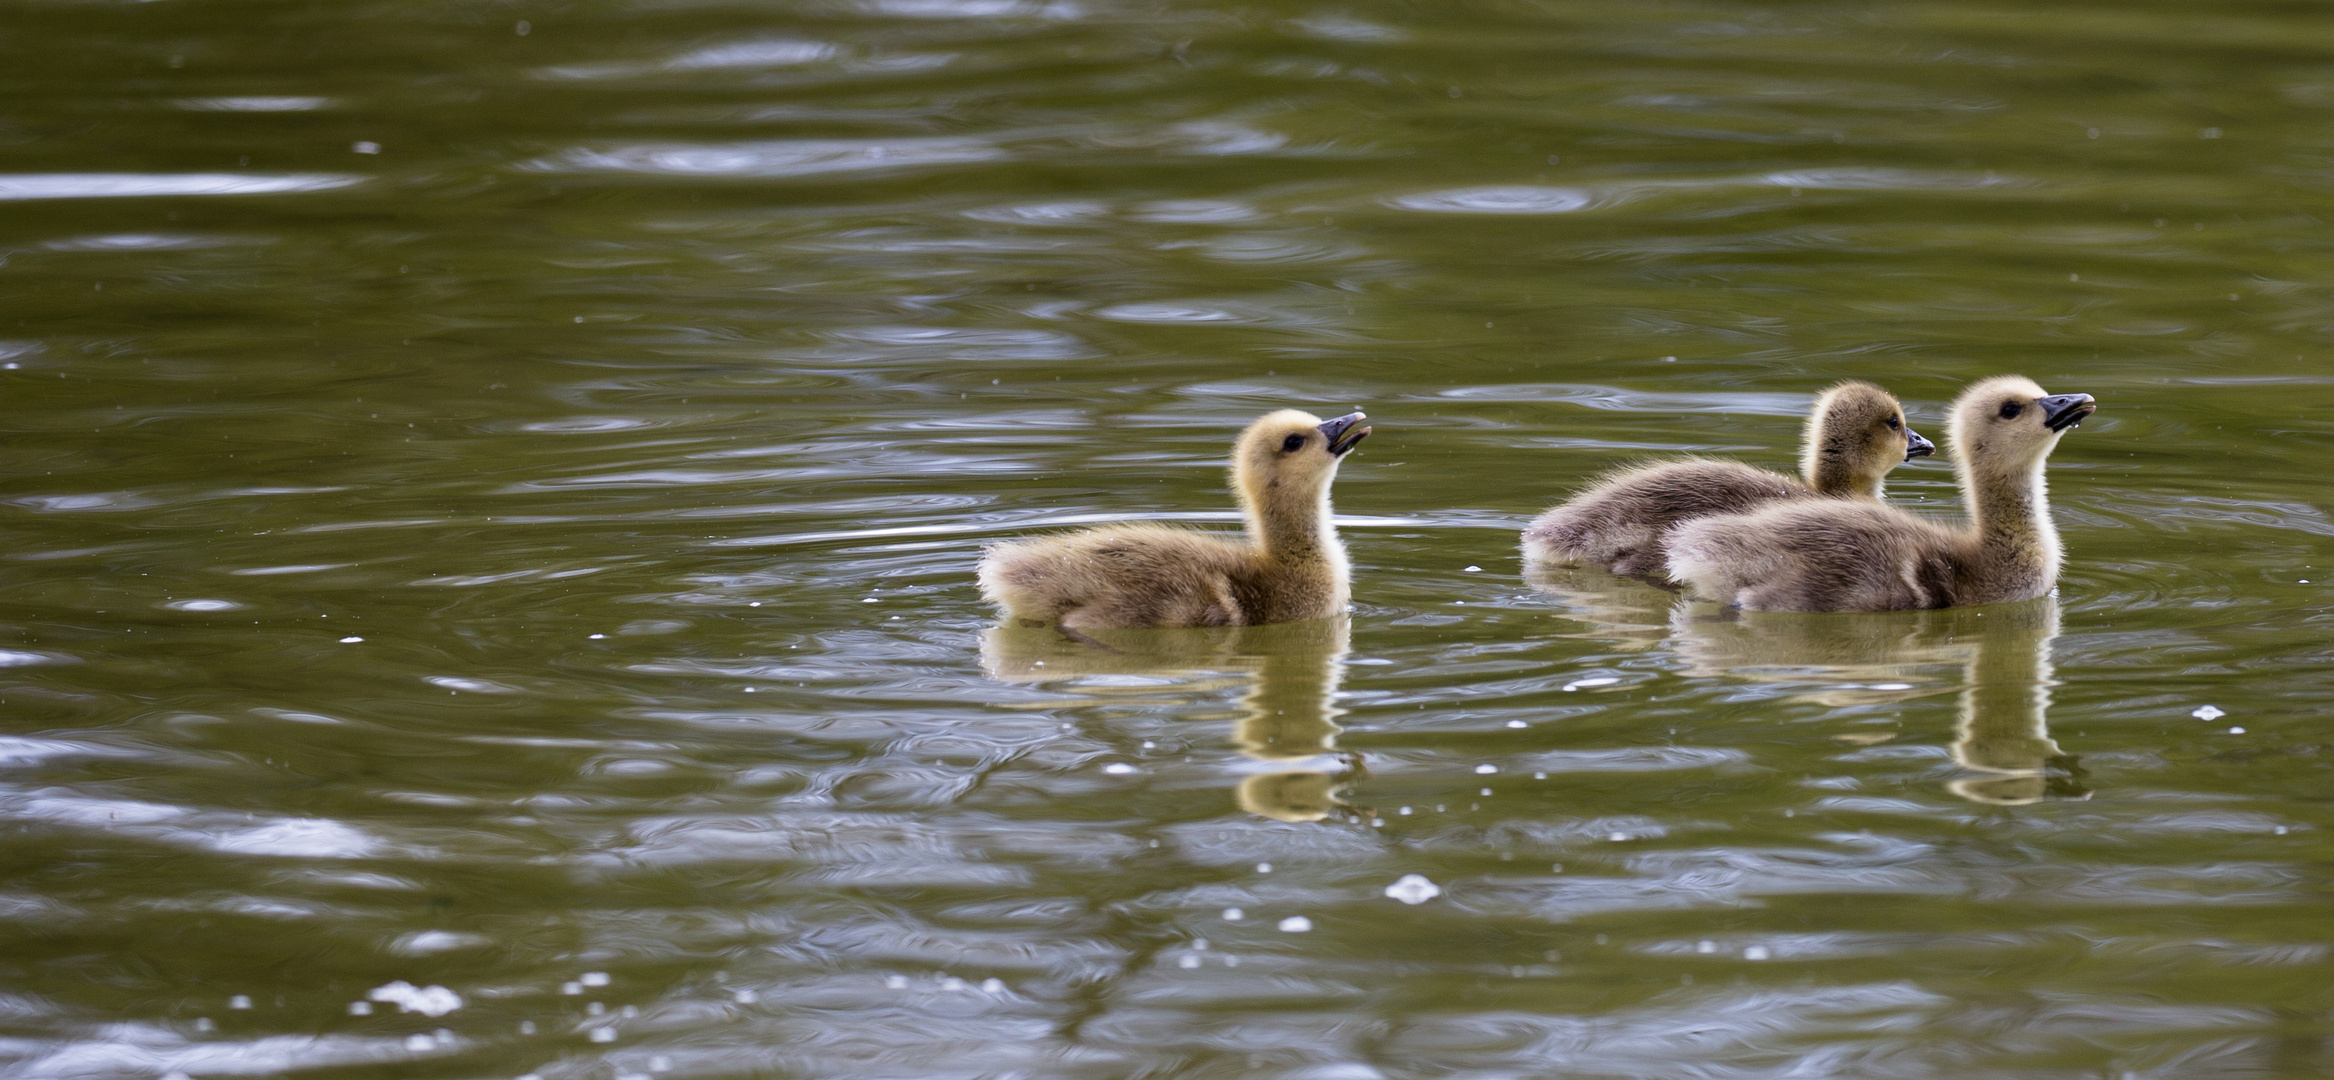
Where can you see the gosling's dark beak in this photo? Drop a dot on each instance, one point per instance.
(2063, 411)
(1915, 446)
(1343, 433)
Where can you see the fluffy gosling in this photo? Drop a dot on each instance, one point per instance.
(1834, 555)
(1291, 565)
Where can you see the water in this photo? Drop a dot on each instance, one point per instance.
(495, 511)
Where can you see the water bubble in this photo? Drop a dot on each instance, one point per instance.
(239, 1001)
(594, 978)
(2236, 731)
(1486, 770)
(748, 997)
(2208, 712)
(1475, 569)
(366, 148)
(1187, 962)
(420, 1043)
(351, 640)
(1295, 924)
(604, 1035)
(1233, 914)
(1583, 684)
(202, 605)
(895, 982)
(1413, 889)
(1755, 952)
(1705, 947)
(360, 1008)
(1264, 868)
(1118, 768)
(993, 985)
(1515, 723)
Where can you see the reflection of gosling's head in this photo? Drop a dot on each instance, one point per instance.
(1289, 796)
(1291, 454)
(2006, 425)
(1857, 433)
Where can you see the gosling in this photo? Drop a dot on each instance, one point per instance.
(1856, 434)
(1291, 567)
(1850, 556)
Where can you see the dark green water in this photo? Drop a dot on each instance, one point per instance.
(534, 558)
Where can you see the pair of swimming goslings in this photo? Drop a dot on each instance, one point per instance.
(1823, 541)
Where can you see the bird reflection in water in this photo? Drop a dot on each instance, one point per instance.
(1289, 674)
(1998, 656)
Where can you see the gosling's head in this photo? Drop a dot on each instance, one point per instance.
(2008, 424)
(1291, 453)
(1858, 433)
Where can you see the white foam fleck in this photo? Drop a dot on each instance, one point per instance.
(1413, 889)
(432, 1001)
(1295, 924)
(2208, 712)
(202, 605)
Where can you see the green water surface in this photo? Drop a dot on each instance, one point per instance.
(490, 492)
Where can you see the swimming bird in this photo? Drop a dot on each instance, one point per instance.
(1856, 433)
(1291, 566)
(1836, 555)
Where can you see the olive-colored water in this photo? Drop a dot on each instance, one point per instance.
(534, 558)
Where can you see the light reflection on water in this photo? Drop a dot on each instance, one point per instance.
(532, 557)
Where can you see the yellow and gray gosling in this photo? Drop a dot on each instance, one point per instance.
(1290, 566)
(1854, 436)
(1835, 555)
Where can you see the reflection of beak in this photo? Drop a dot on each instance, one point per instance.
(2063, 411)
(1915, 446)
(1343, 434)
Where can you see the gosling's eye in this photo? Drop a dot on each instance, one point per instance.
(2011, 409)
(1292, 443)
(1894, 423)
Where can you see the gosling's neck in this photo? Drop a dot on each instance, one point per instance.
(1292, 527)
(1828, 474)
(1824, 465)
(2009, 510)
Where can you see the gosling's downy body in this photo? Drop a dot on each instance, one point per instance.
(1834, 555)
(1854, 436)
(1291, 566)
